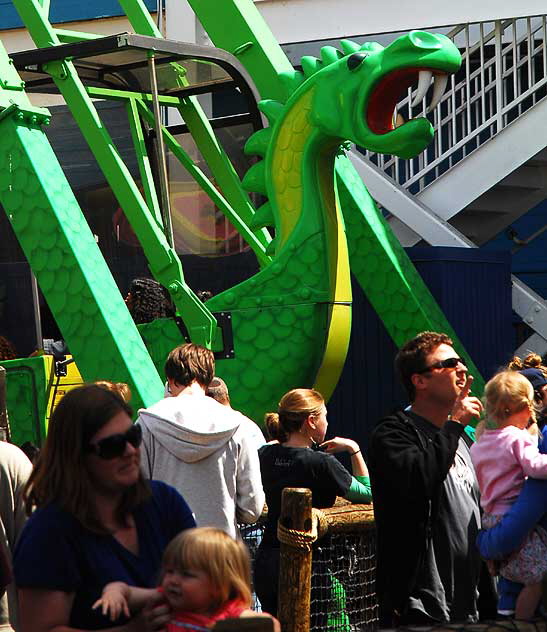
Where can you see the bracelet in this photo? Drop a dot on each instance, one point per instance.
(356, 452)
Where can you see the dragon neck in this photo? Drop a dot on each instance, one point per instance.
(302, 173)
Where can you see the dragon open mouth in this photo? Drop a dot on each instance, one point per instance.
(393, 88)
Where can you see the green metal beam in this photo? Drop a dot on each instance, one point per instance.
(147, 178)
(163, 260)
(198, 124)
(209, 188)
(238, 27)
(68, 37)
(125, 95)
(62, 251)
(223, 171)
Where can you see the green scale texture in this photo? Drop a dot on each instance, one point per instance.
(68, 265)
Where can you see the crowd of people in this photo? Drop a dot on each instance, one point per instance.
(134, 526)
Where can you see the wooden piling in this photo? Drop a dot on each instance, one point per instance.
(295, 562)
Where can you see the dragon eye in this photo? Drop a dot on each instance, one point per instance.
(355, 60)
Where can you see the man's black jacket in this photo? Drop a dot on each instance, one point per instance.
(407, 469)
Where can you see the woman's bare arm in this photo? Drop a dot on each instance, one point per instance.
(49, 611)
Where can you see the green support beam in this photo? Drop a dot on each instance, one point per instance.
(163, 260)
(200, 128)
(61, 249)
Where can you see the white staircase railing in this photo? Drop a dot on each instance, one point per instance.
(503, 74)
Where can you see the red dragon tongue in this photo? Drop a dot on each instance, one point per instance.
(393, 87)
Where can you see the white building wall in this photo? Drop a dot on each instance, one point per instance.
(304, 20)
(18, 39)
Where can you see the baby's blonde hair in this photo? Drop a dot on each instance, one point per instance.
(508, 393)
(224, 560)
(120, 388)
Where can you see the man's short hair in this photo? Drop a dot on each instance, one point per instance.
(412, 356)
(218, 390)
(190, 362)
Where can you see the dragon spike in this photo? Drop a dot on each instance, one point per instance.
(255, 179)
(329, 55)
(262, 218)
(310, 65)
(271, 248)
(349, 47)
(292, 80)
(257, 144)
(271, 109)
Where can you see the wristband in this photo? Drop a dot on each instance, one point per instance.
(356, 452)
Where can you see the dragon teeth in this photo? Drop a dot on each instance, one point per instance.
(438, 90)
(424, 82)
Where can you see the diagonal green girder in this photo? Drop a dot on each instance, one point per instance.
(62, 252)
(202, 132)
(164, 262)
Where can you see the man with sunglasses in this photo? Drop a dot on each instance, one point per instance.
(201, 447)
(426, 497)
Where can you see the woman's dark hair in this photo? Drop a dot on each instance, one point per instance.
(148, 300)
(292, 411)
(60, 474)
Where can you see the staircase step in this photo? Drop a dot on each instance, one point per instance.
(507, 200)
(529, 176)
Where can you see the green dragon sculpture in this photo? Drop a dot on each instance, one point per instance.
(292, 320)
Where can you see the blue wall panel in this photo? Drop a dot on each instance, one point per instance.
(529, 262)
(473, 288)
(67, 11)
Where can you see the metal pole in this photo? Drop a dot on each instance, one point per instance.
(499, 76)
(36, 308)
(160, 151)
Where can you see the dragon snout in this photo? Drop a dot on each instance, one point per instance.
(424, 44)
(425, 40)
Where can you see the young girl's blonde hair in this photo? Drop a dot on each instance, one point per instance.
(508, 393)
(224, 560)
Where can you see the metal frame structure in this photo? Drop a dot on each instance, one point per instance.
(290, 323)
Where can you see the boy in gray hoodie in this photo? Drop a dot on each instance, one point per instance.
(200, 447)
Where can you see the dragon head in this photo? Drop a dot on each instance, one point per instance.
(356, 93)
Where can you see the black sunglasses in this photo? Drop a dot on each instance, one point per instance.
(449, 363)
(114, 446)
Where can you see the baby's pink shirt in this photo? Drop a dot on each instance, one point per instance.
(503, 458)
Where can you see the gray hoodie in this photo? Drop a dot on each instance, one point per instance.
(201, 448)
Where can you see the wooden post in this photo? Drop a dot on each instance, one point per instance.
(295, 563)
(4, 423)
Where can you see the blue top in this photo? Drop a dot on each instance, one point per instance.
(55, 552)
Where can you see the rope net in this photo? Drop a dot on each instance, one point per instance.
(343, 593)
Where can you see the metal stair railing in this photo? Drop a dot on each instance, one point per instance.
(503, 74)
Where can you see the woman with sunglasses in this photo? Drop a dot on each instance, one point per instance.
(96, 520)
